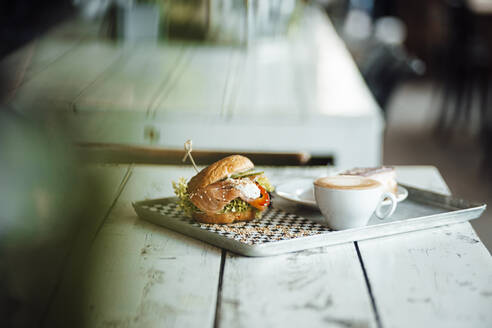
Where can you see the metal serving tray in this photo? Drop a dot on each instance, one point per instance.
(288, 227)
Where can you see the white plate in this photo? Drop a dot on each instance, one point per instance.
(301, 191)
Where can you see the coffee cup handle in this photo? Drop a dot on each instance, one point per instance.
(385, 214)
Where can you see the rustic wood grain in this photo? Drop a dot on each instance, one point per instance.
(322, 287)
(200, 88)
(439, 277)
(47, 51)
(62, 295)
(292, 94)
(56, 87)
(141, 275)
(135, 83)
(22, 65)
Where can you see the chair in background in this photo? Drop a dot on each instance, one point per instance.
(385, 68)
(464, 71)
(464, 75)
(453, 72)
(377, 45)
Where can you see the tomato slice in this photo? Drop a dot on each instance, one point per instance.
(262, 202)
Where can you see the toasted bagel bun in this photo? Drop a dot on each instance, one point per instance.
(219, 170)
(220, 218)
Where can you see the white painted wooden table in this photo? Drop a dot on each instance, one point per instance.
(302, 92)
(141, 275)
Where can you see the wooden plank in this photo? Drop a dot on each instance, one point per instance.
(307, 75)
(201, 86)
(25, 63)
(64, 300)
(439, 277)
(335, 78)
(269, 84)
(243, 97)
(58, 42)
(46, 253)
(143, 275)
(136, 83)
(47, 52)
(321, 287)
(32, 59)
(13, 68)
(277, 89)
(59, 85)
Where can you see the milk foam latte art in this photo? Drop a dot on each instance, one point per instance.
(349, 201)
(347, 182)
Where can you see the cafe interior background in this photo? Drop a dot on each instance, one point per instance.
(82, 78)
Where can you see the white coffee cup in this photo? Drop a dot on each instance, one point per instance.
(349, 201)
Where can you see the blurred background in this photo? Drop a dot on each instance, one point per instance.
(341, 83)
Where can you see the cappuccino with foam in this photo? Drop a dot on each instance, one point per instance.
(347, 182)
(349, 201)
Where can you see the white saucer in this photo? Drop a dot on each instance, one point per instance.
(301, 191)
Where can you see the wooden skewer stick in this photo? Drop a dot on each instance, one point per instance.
(188, 149)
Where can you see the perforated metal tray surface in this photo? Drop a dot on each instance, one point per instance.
(290, 227)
